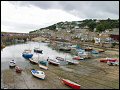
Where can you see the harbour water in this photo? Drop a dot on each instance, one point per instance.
(15, 52)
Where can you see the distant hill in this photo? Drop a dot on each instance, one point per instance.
(100, 25)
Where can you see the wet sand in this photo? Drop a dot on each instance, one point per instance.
(90, 74)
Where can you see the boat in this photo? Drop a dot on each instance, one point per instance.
(27, 54)
(38, 74)
(72, 62)
(77, 58)
(71, 84)
(67, 49)
(60, 58)
(18, 69)
(12, 63)
(54, 61)
(43, 64)
(108, 59)
(94, 52)
(88, 49)
(116, 63)
(100, 51)
(33, 61)
(38, 50)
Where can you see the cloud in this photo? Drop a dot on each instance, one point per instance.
(25, 19)
(83, 9)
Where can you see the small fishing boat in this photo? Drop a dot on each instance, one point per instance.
(108, 59)
(54, 61)
(78, 58)
(94, 52)
(88, 49)
(27, 54)
(18, 69)
(72, 62)
(43, 64)
(116, 63)
(67, 49)
(12, 63)
(33, 61)
(100, 51)
(38, 74)
(71, 84)
(60, 58)
(38, 50)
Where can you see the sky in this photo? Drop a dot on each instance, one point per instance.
(26, 16)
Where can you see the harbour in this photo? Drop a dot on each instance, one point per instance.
(89, 73)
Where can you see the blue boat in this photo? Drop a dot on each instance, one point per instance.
(27, 54)
(94, 52)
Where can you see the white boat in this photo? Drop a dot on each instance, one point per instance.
(33, 61)
(38, 74)
(54, 61)
(60, 58)
(12, 63)
(72, 62)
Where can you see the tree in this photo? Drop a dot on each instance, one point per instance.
(92, 25)
(100, 28)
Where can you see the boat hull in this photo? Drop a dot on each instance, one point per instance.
(105, 60)
(43, 64)
(77, 58)
(18, 69)
(60, 58)
(71, 84)
(43, 67)
(38, 74)
(27, 56)
(32, 61)
(38, 51)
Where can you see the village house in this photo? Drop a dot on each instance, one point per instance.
(108, 37)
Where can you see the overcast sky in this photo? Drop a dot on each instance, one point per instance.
(25, 16)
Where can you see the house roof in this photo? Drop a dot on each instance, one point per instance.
(114, 31)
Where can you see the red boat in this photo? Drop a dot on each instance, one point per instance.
(108, 59)
(71, 84)
(77, 58)
(18, 69)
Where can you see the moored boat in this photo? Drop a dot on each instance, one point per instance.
(67, 49)
(60, 58)
(27, 54)
(78, 58)
(12, 63)
(38, 50)
(38, 74)
(54, 61)
(116, 63)
(88, 49)
(18, 69)
(33, 61)
(100, 51)
(72, 62)
(108, 59)
(71, 84)
(43, 64)
(94, 52)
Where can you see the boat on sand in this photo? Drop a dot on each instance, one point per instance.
(71, 84)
